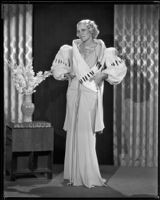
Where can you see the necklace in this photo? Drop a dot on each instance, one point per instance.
(87, 51)
(89, 47)
(93, 46)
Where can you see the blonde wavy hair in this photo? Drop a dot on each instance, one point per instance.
(92, 27)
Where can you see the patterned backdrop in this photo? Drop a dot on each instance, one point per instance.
(17, 20)
(136, 98)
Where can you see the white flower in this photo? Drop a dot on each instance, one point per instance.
(25, 79)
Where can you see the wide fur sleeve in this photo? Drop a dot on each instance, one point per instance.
(115, 66)
(62, 62)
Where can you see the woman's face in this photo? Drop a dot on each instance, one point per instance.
(83, 32)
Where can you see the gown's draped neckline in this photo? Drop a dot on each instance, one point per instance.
(90, 55)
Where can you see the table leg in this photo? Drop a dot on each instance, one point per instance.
(50, 164)
(13, 167)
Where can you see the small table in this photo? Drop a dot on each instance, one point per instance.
(32, 139)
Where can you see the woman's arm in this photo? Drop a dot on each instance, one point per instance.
(61, 63)
(116, 68)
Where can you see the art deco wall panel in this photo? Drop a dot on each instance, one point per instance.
(136, 35)
(17, 36)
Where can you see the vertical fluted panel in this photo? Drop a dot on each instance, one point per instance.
(18, 48)
(136, 98)
(122, 116)
(28, 36)
(5, 56)
(143, 110)
(20, 53)
(12, 35)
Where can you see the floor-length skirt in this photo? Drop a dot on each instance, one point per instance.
(81, 164)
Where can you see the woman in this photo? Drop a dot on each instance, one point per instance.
(85, 64)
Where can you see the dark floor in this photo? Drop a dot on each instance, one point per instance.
(40, 186)
(121, 182)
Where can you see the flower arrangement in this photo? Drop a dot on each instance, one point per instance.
(24, 77)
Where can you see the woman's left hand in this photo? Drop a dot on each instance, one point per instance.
(99, 77)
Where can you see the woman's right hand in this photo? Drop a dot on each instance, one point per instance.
(69, 77)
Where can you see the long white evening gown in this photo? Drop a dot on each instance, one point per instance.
(84, 110)
(81, 164)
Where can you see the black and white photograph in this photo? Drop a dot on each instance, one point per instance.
(80, 99)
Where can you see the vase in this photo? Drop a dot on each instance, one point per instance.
(27, 108)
